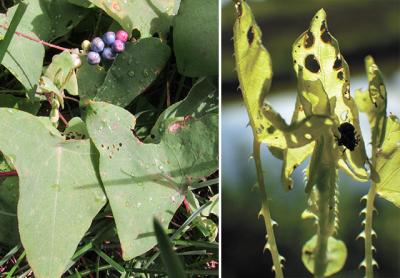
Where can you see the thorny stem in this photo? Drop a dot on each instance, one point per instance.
(325, 228)
(326, 187)
(37, 40)
(369, 266)
(265, 212)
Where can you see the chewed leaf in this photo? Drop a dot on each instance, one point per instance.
(254, 69)
(337, 255)
(388, 161)
(59, 192)
(374, 102)
(143, 181)
(317, 52)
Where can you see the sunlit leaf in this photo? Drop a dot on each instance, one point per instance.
(374, 102)
(388, 163)
(337, 253)
(316, 52)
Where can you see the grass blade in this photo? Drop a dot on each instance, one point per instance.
(11, 29)
(171, 261)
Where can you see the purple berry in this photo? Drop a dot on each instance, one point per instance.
(118, 46)
(108, 53)
(97, 45)
(93, 58)
(121, 35)
(109, 38)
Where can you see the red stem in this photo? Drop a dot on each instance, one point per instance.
(8, 174)
(37, 40)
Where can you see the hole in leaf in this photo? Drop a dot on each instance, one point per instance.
(312, 64)
(308, 39)
(152, 136)
(136, 34)
(271, 129)
(156, 35)
(340, 75)
(325, 36)
(338, 63)
(250, 35)
(239, 9)
(120, 144)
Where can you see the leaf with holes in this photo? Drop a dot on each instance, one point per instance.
(133, 71)
(148, 17)
(316, 53)
(388, 161)
(143, 181)
(254, 68)
(374, 102)
(59, 193)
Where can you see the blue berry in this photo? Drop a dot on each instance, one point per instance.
(97, 45)
(108, 53)
(93, 58)
(109, 38)
(118, 46)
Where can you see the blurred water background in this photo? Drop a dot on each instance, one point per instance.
(362, 28)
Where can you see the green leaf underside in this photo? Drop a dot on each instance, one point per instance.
(388, 161)
(337, 254)
(320, 67)
(24, 58)
(133, 71)
(55, 208)
(143, 181)
(374, 103)
(254, 68)
(196, 38)
(149, 17)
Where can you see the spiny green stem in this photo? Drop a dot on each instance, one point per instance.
(266, 213)
(326, 217)
(322, 236)
(368, 248)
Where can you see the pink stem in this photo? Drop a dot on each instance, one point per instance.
(37, 40)
(8, 174)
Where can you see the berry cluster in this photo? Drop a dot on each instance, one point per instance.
(108, 46)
